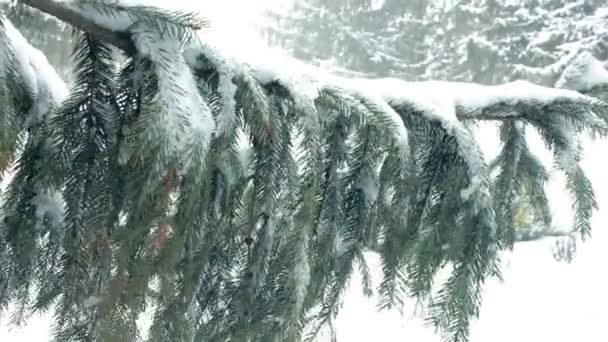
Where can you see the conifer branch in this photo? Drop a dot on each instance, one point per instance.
(61, 11)
(326, 170)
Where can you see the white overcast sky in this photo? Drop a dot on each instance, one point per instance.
(540, 300)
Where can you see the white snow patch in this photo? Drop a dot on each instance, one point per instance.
(92, 301)
(41, 79)
(583, 73)
(443, 96)
(475, 185)
(396, 92)
(184, 113)
(244, 150)
(227, 68)
(227, 90)
(302, 81)
(543, 37)
(124, 154)
(369, 187)
(340, 245)
(49, 204)
(17, 49)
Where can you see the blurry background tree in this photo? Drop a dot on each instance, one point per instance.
(486, 41)
(375, 37)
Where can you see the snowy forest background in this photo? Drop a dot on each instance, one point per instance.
(548, 42)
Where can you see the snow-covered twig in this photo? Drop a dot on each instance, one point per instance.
(64, 12)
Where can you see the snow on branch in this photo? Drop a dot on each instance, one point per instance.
(116, 22)
(27, 70)
(583, 73)
(111, 21)
(64, 11)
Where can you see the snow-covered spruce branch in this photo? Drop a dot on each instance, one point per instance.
(239, 198)
(62, 11)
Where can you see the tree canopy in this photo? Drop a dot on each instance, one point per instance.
(236, 199)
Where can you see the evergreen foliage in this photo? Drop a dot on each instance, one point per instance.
(549, 42)
(237, 206)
